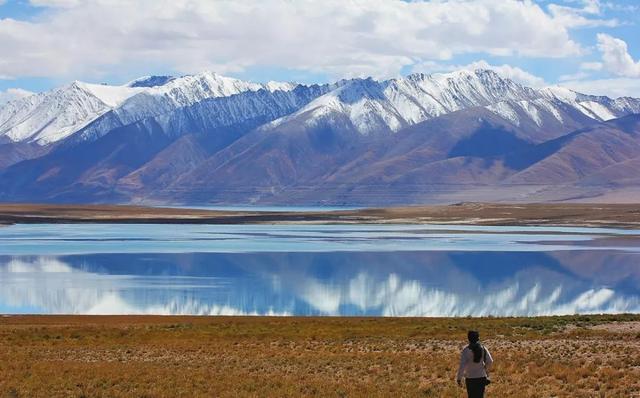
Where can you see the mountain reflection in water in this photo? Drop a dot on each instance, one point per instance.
(390, 283)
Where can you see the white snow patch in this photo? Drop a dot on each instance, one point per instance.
(549, 107)
(531, 111)
(505, 111)
(561, 93)
(111, 95)
(598, 109)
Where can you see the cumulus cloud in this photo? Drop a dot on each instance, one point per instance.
(11, 94)
(616, 58)
(81, 38)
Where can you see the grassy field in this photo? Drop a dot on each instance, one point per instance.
(77, 356)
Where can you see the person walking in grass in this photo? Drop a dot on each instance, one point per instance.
(475, 363)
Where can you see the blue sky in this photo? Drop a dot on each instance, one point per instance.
(589, 45)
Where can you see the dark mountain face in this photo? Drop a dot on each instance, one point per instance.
(293, 164)
(86, 172)
(15, 152)
(588, 154)
(267, 163)
(151, 81)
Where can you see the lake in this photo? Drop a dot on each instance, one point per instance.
(377, 270)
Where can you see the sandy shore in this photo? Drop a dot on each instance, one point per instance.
(155, 356)
(614, 215)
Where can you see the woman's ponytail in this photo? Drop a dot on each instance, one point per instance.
(474, 345)
(476, 348)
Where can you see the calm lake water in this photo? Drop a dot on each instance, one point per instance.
(382, 270)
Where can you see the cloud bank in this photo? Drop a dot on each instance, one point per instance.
(78, 39)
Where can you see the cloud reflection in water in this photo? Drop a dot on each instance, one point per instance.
(344, 283)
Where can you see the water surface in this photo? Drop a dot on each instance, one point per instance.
(388, 270)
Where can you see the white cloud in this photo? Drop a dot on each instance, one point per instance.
(55, 3)
(586, 69)
(611, 5)
(88, 39)
(617, 87)
(591, 66)
(573, 17)
(11, 94)
(591, 6)
(616, 58)
(573, 76)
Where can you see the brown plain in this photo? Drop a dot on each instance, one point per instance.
(156, 356)
(563, 214)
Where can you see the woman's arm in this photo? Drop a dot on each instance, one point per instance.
(464, 358)
(488, 360)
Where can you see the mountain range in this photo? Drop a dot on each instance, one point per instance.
(199, 139)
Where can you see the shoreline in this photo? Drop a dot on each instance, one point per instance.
(490, 214)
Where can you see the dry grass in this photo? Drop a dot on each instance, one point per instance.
(244, 356)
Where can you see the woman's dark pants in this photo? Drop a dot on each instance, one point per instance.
(475, 387)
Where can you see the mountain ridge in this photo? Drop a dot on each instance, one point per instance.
(420, 138)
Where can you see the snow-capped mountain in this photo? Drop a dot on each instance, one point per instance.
(52, 116)
(188, 90)
(368, 106)
(597, 107)
(363, 105)
(206, 137)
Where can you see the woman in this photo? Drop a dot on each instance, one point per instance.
(475, 363)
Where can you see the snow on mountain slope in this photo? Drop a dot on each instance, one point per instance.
(557, 108)
(54, 115)
(391, 105)
(600, 108)
(249, 108)
(51, 116)
(186, 91)
(368, 106)
(174, 94)
(365, 106)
